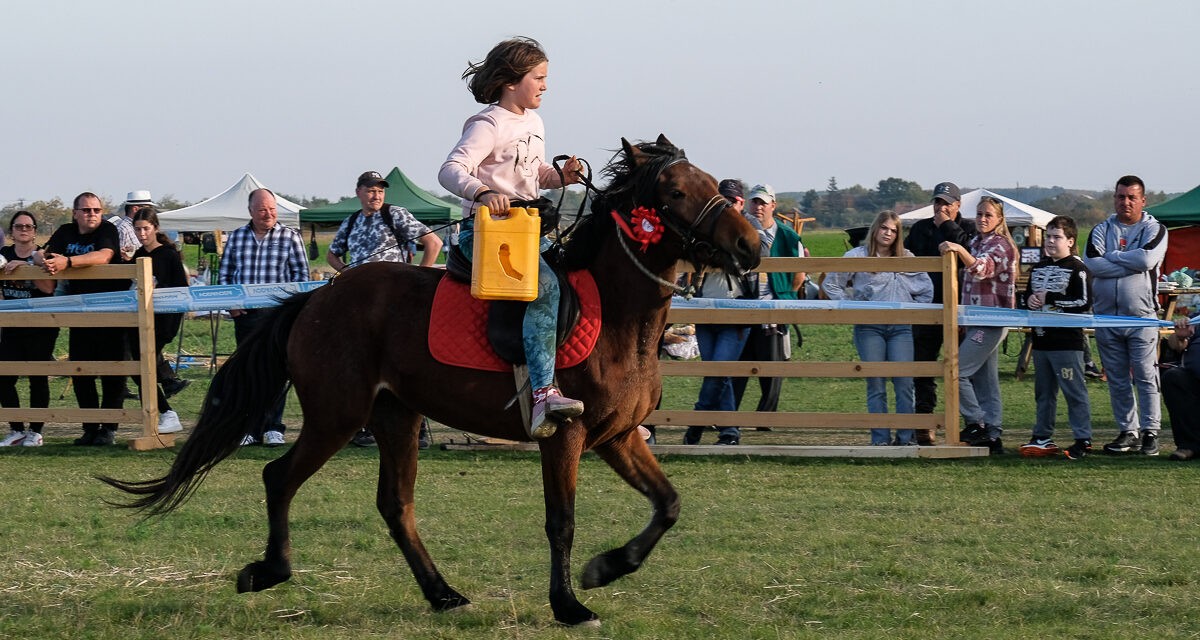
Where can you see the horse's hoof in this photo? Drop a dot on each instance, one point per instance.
(605, 568)
(575, 615)
(453, 602)
(257, 576)
(589, 624)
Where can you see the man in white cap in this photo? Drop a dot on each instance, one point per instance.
(770, 342)
(134, 200)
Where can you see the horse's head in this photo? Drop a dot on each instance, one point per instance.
(701, 223)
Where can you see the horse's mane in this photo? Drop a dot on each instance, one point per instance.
(628, 186)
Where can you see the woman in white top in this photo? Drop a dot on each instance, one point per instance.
(500, 157)
(883, 342)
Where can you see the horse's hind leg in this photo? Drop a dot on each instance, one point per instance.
(395, 428)
(630, 457)
(282, 479)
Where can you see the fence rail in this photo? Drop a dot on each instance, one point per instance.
(145, 368)
(946, 368)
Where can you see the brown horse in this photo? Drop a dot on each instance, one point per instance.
(357, 352)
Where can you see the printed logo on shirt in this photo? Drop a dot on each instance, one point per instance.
(77, 249)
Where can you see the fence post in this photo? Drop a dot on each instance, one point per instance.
(150, 438)
(950, 344)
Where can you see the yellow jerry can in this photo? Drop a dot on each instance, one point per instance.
(504, 261)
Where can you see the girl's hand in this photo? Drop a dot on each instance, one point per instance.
(497, 204)
(1036, 301)
(13, 264)
(572, 171)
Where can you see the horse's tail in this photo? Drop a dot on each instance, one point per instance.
(243, 391)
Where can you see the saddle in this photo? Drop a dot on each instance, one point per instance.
(486, 334)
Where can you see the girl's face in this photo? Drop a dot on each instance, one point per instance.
(885, 236)
(23, 229)
(144, 232)
(987, 218)
(527, 94)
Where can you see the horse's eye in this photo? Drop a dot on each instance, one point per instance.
(676, 193)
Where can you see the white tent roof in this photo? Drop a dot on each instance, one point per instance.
(227, 211)
(1016, 214)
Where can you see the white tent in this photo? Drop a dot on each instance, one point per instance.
(1016, 214)
(227, 211)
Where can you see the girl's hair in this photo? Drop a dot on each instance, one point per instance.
(148, 214)
(18, 214)
(897, 248)
(1002, 228)
(505, 64)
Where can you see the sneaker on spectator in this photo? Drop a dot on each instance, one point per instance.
(273, 438)
(995, 446)
(32, 439)
(972, 432)
(168, 422)
(1039, 448)
(1150, 443)
(1090, 370)
(692, 435)
(363, 438)
(729, 440)
(87, 439)
(104, 438)
(1080, 449)
(14, 438)
(1126, 442)
(249, 440)
(174, 386)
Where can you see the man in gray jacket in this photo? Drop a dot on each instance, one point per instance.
(1124, 254)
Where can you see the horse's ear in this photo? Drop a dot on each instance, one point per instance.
(663, 141)
(634, 154)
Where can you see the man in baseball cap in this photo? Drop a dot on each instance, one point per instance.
(947, 224)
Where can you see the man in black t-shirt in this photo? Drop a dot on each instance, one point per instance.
(90, 240)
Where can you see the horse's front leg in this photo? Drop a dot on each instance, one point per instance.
(560, 467)
(631, 458)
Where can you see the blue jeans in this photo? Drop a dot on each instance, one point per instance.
(979, 378)
(539, 329)
(719, 342)
(1129, 356)
(887, 343)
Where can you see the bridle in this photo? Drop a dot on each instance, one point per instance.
(696, 240)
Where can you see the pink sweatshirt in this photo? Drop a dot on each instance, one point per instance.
(502, 151)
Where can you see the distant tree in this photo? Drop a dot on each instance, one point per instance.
(169, 202)
(50, 214)
(810, 201)
(310, 202)
(894, 190)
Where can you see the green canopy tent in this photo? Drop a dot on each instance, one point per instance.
(1184, 209)
(1182, 215)
(401, 191)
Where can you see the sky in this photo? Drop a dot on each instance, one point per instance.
(183, 97)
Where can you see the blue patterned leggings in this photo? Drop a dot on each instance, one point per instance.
(540, 326)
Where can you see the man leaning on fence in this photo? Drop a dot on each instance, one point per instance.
(262, 252)
(91, 240)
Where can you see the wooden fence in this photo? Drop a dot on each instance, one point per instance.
(142, 319)
(947, 368)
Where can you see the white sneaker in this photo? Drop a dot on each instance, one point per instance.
(168, 422)
(272, 439)
(13, 439)
(32, 439)
(249, 440)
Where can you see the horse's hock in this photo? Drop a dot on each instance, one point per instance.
(946, 369)
(142, 319)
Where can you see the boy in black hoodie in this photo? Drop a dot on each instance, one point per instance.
(1059, 283)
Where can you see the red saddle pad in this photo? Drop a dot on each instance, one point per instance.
(458, 326)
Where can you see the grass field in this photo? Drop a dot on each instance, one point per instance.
(1000, 547)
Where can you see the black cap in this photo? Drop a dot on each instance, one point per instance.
(947, 192)
(731, 188)
(370, 179)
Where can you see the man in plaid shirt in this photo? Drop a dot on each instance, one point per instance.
(262, 252)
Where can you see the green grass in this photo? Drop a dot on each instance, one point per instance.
(993, 548)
